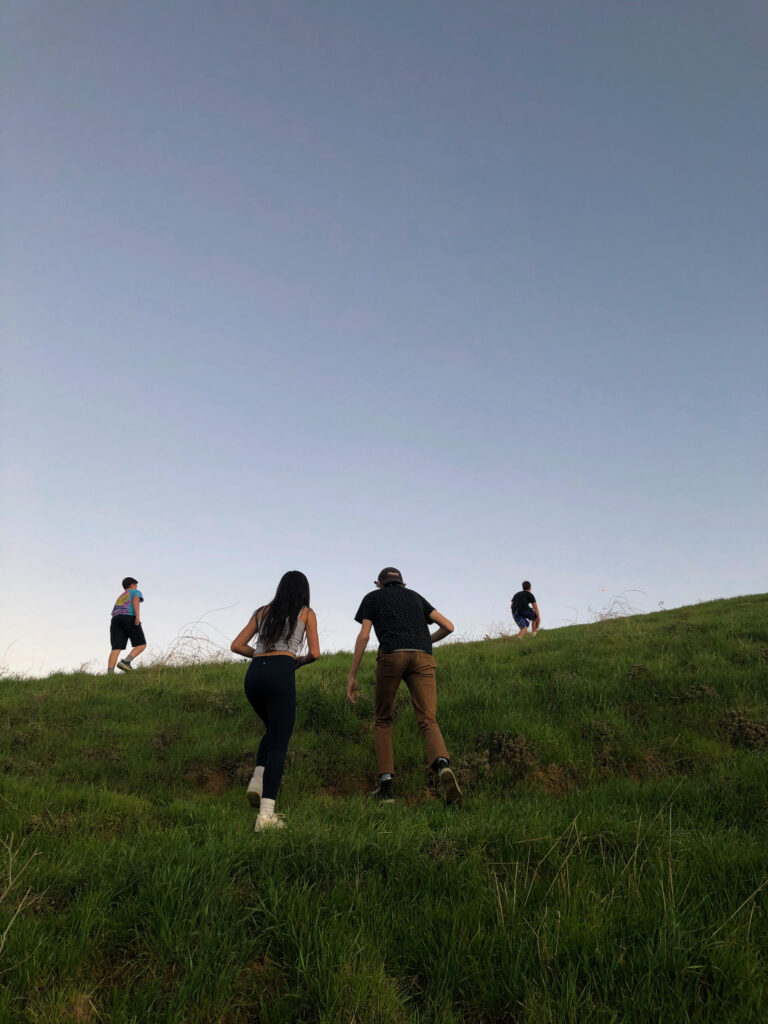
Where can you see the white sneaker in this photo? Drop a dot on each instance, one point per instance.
(450, 787)
(254, 791)
(264, 821)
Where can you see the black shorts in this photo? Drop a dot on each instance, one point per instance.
(123, 628)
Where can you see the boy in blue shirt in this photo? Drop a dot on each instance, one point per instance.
(125, 626)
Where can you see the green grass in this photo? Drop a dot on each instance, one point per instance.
(609, 863)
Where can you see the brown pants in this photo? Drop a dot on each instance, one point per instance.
(418, 670)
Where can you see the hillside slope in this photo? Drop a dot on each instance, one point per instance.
(609, 863)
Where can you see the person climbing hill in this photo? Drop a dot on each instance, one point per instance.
(525, 610)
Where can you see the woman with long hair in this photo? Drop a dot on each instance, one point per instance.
(270, 682)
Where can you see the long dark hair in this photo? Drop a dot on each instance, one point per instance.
(291, 596)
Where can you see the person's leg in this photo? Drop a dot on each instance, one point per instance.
(419, 677)
(258, 702)
(281, 695)
(281, 715)
(270, 686)
(138, 644)
(135, 652)
(420, 680)
(389, 668)
(117, 641)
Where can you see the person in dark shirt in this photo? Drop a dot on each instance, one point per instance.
(525, 611)
(401, 620)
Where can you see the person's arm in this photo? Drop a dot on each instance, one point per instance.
(240, 644)
(360, 644)
(136, 611)
(536, 610)
(313, 643)
(446, 626)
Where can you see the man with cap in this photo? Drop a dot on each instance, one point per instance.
(401, 619)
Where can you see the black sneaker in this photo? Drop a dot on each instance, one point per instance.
(382, 796)
(126, 666)
(450, 787)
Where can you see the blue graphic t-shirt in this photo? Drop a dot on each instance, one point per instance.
(124, 603)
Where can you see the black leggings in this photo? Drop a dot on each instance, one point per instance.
(270, 686)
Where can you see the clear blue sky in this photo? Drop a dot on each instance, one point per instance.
(474, 289)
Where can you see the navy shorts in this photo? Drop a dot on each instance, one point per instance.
(123, 628)
(524, 618)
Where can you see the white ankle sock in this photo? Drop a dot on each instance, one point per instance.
(266, 808)
(257, 779)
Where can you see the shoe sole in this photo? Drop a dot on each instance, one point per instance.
(450, 788)
(124, 668)
(378, 799)
(270, 823)
(254, 799)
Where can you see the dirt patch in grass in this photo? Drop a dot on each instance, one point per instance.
(515, 753)
(102, 755)
(21, 739)
(653, 764)
(350, 786)
(84, 1010)
(217, 779)
(59, 823)
(554, 780)
(648, 767)
(210, 780)
(744, 732)
(264, 974)
(599, 732)
(636, 711)
(512, 755)
(161, 740)
(697, 693)
(427, 794)
(474, 768)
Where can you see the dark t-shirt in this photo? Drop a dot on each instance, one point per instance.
(400, 618)
(522, 599)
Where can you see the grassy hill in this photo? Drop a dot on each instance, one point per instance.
(609, 863)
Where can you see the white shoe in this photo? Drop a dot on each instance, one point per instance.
(254, 791)
(264, 821)
(450, 787)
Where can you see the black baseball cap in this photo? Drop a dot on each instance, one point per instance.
(390, 575)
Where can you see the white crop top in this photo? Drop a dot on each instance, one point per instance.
(290, 644)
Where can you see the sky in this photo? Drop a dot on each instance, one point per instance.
(472, 289)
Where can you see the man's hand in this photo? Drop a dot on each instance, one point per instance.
(352, 689)
(360, 644)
